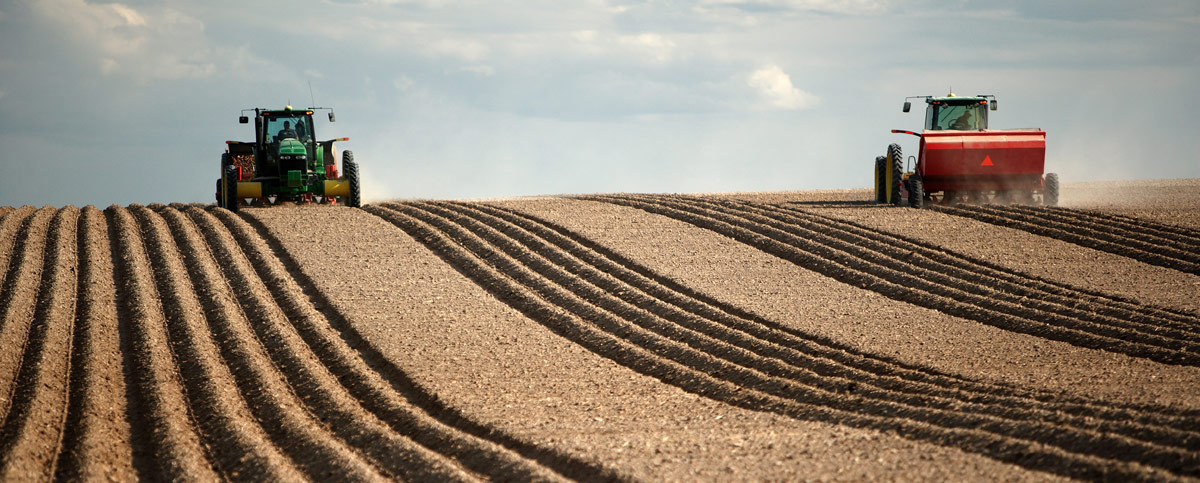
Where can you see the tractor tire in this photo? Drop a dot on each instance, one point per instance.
(230, 191)
(226, 162)
(350, 169)
(1050, 190)
(916, 192)
(880, 177)
(896, 164)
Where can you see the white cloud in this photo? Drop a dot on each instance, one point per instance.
(776, 89)
(119, 40)
(480, 70)
(131, 16)
(403, 83)
(656, 46)
(850, 7)
(2, 93)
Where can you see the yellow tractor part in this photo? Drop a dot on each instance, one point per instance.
(249, 189)
(337, 187)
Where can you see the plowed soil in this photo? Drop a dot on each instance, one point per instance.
(745, 336)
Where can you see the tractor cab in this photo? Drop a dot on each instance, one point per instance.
(952, 113)
(286, 141)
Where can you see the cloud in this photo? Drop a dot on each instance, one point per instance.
(404, 83)
(119, 40)
(653, 45)
(480, 70)
(775, 88)
(848, 7)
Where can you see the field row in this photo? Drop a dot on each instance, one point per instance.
(648, 323)
(172, 343)
(187, 342)
(1154, 243)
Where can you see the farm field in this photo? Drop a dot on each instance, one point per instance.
(732, 336)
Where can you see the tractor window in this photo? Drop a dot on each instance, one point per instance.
(280, 127)
(961, 117)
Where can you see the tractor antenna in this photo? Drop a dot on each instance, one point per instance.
(310, 95)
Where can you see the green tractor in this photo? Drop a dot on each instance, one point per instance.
(285, 164)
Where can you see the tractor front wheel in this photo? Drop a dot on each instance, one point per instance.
(896, 176)
(916, 192)
(350, 169)
(230, 188)
(226, 162)
(1050, 190)
(880, 180)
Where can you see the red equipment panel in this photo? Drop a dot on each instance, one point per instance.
(981, 160)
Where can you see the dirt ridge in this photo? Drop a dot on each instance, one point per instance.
(1163, 230)
(407, 408)
(1112, 238)
(32, 430)
(841, 261)
(166, 443)
(96, 442)
(958, 270)
(238, 444)
(1112, 304)
(808, 351)
(638, 336)
(285, 326)
(271, 401)
(1011, 286)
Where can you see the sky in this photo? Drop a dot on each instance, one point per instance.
(131, 102)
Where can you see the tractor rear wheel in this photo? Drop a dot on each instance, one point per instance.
(880, 180)
(916, 192)
(896, 176)
(350, 168)
(230, 191)
(1050, 190)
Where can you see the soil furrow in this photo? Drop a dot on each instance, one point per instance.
(29, 437)
(239, 445)
(96, 443)
(843, 370)
(18, 300)
(361, 433)
(1147, 253)
(1161, 229)
(10, 227)
(766, 367)
(955, 271)
(705, 306)
(166, 445)
(1146, 232)
(904, 287)
(676, 364)
(276, 407)
(1035, 305)
(1114, 305)
(382, 388)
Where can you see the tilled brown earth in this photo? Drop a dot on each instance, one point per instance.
(803, 335)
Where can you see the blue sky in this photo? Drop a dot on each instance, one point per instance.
(105, 102)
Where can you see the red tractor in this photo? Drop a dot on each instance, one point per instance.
(961, 160)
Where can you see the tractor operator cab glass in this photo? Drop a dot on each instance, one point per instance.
(282, 127)
(958, 116)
